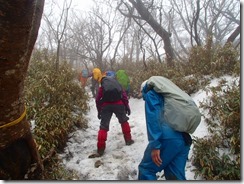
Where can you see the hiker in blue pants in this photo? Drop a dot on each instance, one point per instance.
(167, 149)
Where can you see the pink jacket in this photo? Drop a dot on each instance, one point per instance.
(99, 103)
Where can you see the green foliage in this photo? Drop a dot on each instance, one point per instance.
(56, 104)
(213, 165)
(217, 61)
(223, 122)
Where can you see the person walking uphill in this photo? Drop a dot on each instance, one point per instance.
(167, 149)
(124, 80)
(83, 76)
(96, 80)
(111, 99)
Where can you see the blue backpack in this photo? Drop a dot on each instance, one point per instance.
(110, 73)
(84, 73)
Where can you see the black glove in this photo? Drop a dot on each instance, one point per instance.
(127, 110)
(99, 116)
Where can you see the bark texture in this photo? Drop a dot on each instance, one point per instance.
(19, 24)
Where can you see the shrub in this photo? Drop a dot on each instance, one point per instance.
(56, 104)
(218, 156)
(216, 61)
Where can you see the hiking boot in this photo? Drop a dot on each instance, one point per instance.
(94, 155)
(100, 152)
(130, 142)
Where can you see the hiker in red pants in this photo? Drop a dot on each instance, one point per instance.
(111, 99)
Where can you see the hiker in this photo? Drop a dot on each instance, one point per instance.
(110, 73)
(108, 103)
(124, 80)
(96, 80)
(167, 149)
(83, 77)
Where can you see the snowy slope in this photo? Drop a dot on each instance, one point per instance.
(120, 162)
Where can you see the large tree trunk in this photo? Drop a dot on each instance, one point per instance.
(19, 24)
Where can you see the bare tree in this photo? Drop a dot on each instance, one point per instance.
(19, 24)
(94, 36)
(158, 57)
(102, 37)
(188, 13)
(145, 15)
(59, 28)
(201, 22)
(234, 35)
(122, 31)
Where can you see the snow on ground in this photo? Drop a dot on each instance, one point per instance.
(120, 162)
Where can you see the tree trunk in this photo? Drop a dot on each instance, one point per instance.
(234, 34)
(145, 14)
(19, 24)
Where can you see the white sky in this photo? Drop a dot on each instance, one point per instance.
(76, 4)
(57, 6)
(84, 5)
(120, 162)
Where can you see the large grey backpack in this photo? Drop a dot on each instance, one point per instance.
(180, 111)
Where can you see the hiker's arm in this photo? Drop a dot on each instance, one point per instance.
(98, 99)
(153, 105)
(125, 99)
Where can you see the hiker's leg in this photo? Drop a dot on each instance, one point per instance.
(176, 169)
(119, 111)
(172, 152)
(106, 115)
(147, 168)
(101, 141)
(127, 133)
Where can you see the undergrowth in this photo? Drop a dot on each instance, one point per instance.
(217, 157)
(56, 104)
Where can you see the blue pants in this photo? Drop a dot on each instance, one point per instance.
(174, 154)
